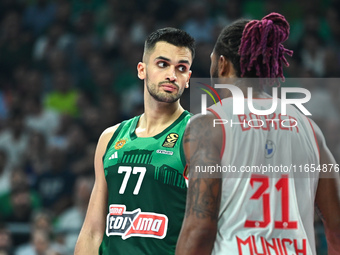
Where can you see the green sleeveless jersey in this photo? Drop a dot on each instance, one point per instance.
(146, 190)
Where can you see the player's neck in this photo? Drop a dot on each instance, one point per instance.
(157, 117)
(256, 92)
(243, 85)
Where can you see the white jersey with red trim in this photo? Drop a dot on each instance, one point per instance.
(270, 176)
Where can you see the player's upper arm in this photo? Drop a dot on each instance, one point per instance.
(99, 192)
(202, 147)
(94, 223)
(328, 197)
(326, 156)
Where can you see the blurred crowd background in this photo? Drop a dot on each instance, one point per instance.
(68, 71)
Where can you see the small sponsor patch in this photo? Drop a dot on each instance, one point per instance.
(135, 223)
(165, 152)
(269, 149)
(120, 143)
(170, 140)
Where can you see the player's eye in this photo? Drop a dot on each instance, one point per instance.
(162, 64)
(182, 68)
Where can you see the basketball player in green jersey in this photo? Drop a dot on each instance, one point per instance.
(138, 200)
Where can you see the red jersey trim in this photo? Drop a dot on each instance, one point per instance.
(316, 140)
(185, 172)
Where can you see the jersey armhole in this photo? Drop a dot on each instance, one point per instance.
(185, 172)
(182, 155)
(315, 138)
(181, 152)
(181, 149)
(115, 134)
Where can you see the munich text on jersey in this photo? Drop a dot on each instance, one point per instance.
(277, 246)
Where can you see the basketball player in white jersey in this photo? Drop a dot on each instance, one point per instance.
(256, 212)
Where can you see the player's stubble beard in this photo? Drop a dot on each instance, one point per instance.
(160, 96)
(214, 74)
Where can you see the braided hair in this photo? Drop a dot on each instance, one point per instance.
(255, 47)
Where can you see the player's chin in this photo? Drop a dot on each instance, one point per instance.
(168, 98)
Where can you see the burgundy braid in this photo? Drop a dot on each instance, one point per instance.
(264, 38)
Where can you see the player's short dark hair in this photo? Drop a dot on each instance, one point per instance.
(170, 35)
(229, 41)
(254, 46)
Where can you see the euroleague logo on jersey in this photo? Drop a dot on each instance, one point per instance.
(135, 223)
(170, 140)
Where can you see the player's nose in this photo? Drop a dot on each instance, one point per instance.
(171, 74)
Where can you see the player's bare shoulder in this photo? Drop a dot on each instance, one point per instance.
(203, 128)
(110, 130)
(199, 124)
(202, 140)
(106, 136)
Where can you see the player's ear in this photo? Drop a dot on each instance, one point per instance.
(225, 67)
(187, 83)
(141, 68)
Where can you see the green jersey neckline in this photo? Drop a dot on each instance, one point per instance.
(135, 121)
